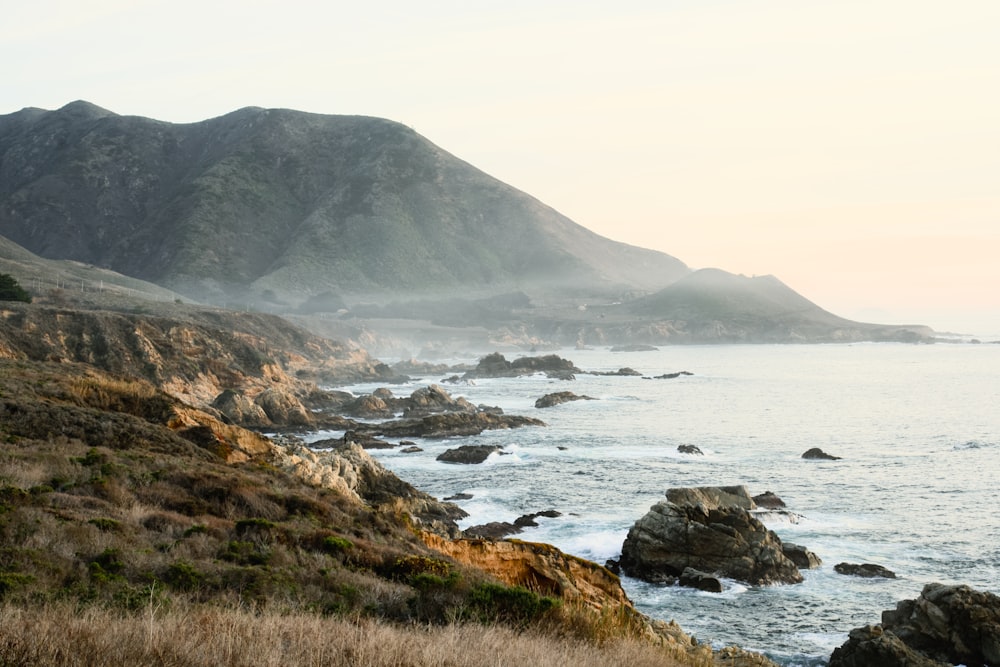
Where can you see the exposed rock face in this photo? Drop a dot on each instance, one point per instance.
(547, 570)
(468, 454)
(817, 453)
(283, 408)
(558, 398)
(499, 529)
(240, 410)
(709, 529)
(867, 570)
(350, 470)
(946, 625)
(368, 407)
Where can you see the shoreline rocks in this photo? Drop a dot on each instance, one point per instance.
(709, 529)
(560, 397)
(945, 625)
(468, 454)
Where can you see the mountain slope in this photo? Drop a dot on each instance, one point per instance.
(290, 202)
(714, 305)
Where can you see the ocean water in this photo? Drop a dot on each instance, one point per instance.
(918, 427)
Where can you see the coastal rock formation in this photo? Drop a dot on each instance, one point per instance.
(496, 365)
(946, 625)
(584, 586)
(693, 578)
(433, 399)
(447, 425)
(468, 454)
(709, 529)
(690, 449)
(866, 570)
(558, 398)
(497, 530)
(239, 409)
(351, 471)
(817, 453)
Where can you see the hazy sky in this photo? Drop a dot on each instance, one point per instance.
(851, 148)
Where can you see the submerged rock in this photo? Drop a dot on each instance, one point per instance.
(817, 453)
(709, 529)
(692, 578)
(690, 449)
(867, 570)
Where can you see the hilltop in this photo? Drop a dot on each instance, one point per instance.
(274, 204)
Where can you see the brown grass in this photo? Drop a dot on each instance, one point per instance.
(66, 635)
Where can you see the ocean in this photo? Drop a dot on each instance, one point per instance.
(916, 489)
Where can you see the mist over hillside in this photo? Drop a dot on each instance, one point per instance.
(359, 229)
(286, 205)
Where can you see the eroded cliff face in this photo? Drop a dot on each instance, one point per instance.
(585, 585)
(195, 359)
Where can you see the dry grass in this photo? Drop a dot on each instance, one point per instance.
(66, 635)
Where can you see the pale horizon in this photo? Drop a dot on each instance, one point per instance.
(849, 149)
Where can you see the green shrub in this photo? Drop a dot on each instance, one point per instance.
(183, 576)
(105, 524)
(333, 544)
(11, 290)
(514, 605)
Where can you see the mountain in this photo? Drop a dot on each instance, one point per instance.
(286, 205)
(711, 304)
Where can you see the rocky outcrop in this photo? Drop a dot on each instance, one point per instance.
(946, 625)
(703, 581)
(819, 454)
(690, 449)
(587, 588)
(448, 425)
(559, 398)
(709, 529)
(496, 365)
(866, 570)
(468, 454)
(351, 471)
(500, 529)
(281, 407)
(240, 410)
(433, 399)
(669, 376)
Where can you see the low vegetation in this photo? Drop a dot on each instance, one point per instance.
(121, 542)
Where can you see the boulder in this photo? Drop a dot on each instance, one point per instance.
(769, 501)
(867, 570)
(468, 454)
(559, 397)
(817, 453)
(692, 578)
(946, 625)
(709, 529)
(283, 409)
(368, 407)
(669, 376)
(496, 365)
(433, 399)
(802, 557)
(690, 449)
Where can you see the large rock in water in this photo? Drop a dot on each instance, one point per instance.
(946, 625)
(709, 529)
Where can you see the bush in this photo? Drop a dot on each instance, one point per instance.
(514, 605)
(10, 290)
(183, 576)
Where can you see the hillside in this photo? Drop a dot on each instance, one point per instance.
(278, 205)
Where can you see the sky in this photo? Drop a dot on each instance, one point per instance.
(850, 148)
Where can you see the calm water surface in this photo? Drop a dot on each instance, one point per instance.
(918, 427)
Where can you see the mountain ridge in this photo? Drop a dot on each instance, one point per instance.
(287, 201)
